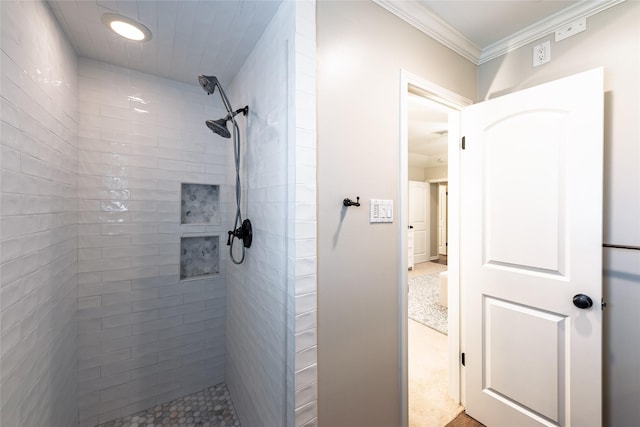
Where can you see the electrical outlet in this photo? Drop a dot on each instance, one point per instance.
(542, 53)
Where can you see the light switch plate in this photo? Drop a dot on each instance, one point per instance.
(380, 210)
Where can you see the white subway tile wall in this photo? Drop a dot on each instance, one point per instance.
(272, 296)
(145, 336)
(256, 297)
(39, 280)
(94, 319)
(302, 227)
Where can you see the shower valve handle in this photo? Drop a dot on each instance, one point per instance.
(244, 233)
(237, 233)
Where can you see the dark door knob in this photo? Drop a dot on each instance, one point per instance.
(582, 301)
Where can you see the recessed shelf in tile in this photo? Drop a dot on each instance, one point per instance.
(200, 204)
(199, 256)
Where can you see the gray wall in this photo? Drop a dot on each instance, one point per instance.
(38, 293)
(361, 49)
(357, 262)
(612, 40)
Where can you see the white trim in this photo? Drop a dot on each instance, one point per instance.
(549, 25)
(437, 180)
(456, 103)
(418, 16)
(403, 223)
(454, 318)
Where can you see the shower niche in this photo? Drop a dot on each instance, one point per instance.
(199, 256)
(200, 204)
(200, 241)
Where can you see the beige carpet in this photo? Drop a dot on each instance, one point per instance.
(429, 402)
(426, 268)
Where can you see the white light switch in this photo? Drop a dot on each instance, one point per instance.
(380, 210)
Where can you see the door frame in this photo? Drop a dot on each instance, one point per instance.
(456, 103)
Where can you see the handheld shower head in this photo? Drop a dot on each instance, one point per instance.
(220, 127)
(208, 83)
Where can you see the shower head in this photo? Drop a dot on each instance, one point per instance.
(219, 126)
(208, 83)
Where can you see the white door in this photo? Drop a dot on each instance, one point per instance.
(531, 227)
(443, 240)
(418, 208)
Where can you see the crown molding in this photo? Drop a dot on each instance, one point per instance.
(418, 16)
(549, 25)
(415, 14)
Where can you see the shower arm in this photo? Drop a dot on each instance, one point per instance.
(230, 113)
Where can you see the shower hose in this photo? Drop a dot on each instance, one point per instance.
(238, 219)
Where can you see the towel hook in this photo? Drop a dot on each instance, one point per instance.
(348, 202)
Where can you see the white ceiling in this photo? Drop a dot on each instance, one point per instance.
(427, 132)
(189, 37)
(487, 22)
(214, 37)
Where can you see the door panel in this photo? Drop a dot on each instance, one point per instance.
(532, 196)
(442, 219)
(534, 355)
(418, 208)
(531, 239)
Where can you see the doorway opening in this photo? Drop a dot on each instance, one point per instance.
(430, 391)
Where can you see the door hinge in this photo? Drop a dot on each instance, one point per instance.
(603, 304)
(463, 360)
(464, 143)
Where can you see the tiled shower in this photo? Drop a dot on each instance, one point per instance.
(142, 325)
(113, 299)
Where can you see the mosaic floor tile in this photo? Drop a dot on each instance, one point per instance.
(211, 407)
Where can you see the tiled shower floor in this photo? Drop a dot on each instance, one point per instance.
(211, 407)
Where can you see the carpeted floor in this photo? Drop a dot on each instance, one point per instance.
(423, 304)
(429, 401)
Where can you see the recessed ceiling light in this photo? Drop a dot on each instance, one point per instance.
(126, 27)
